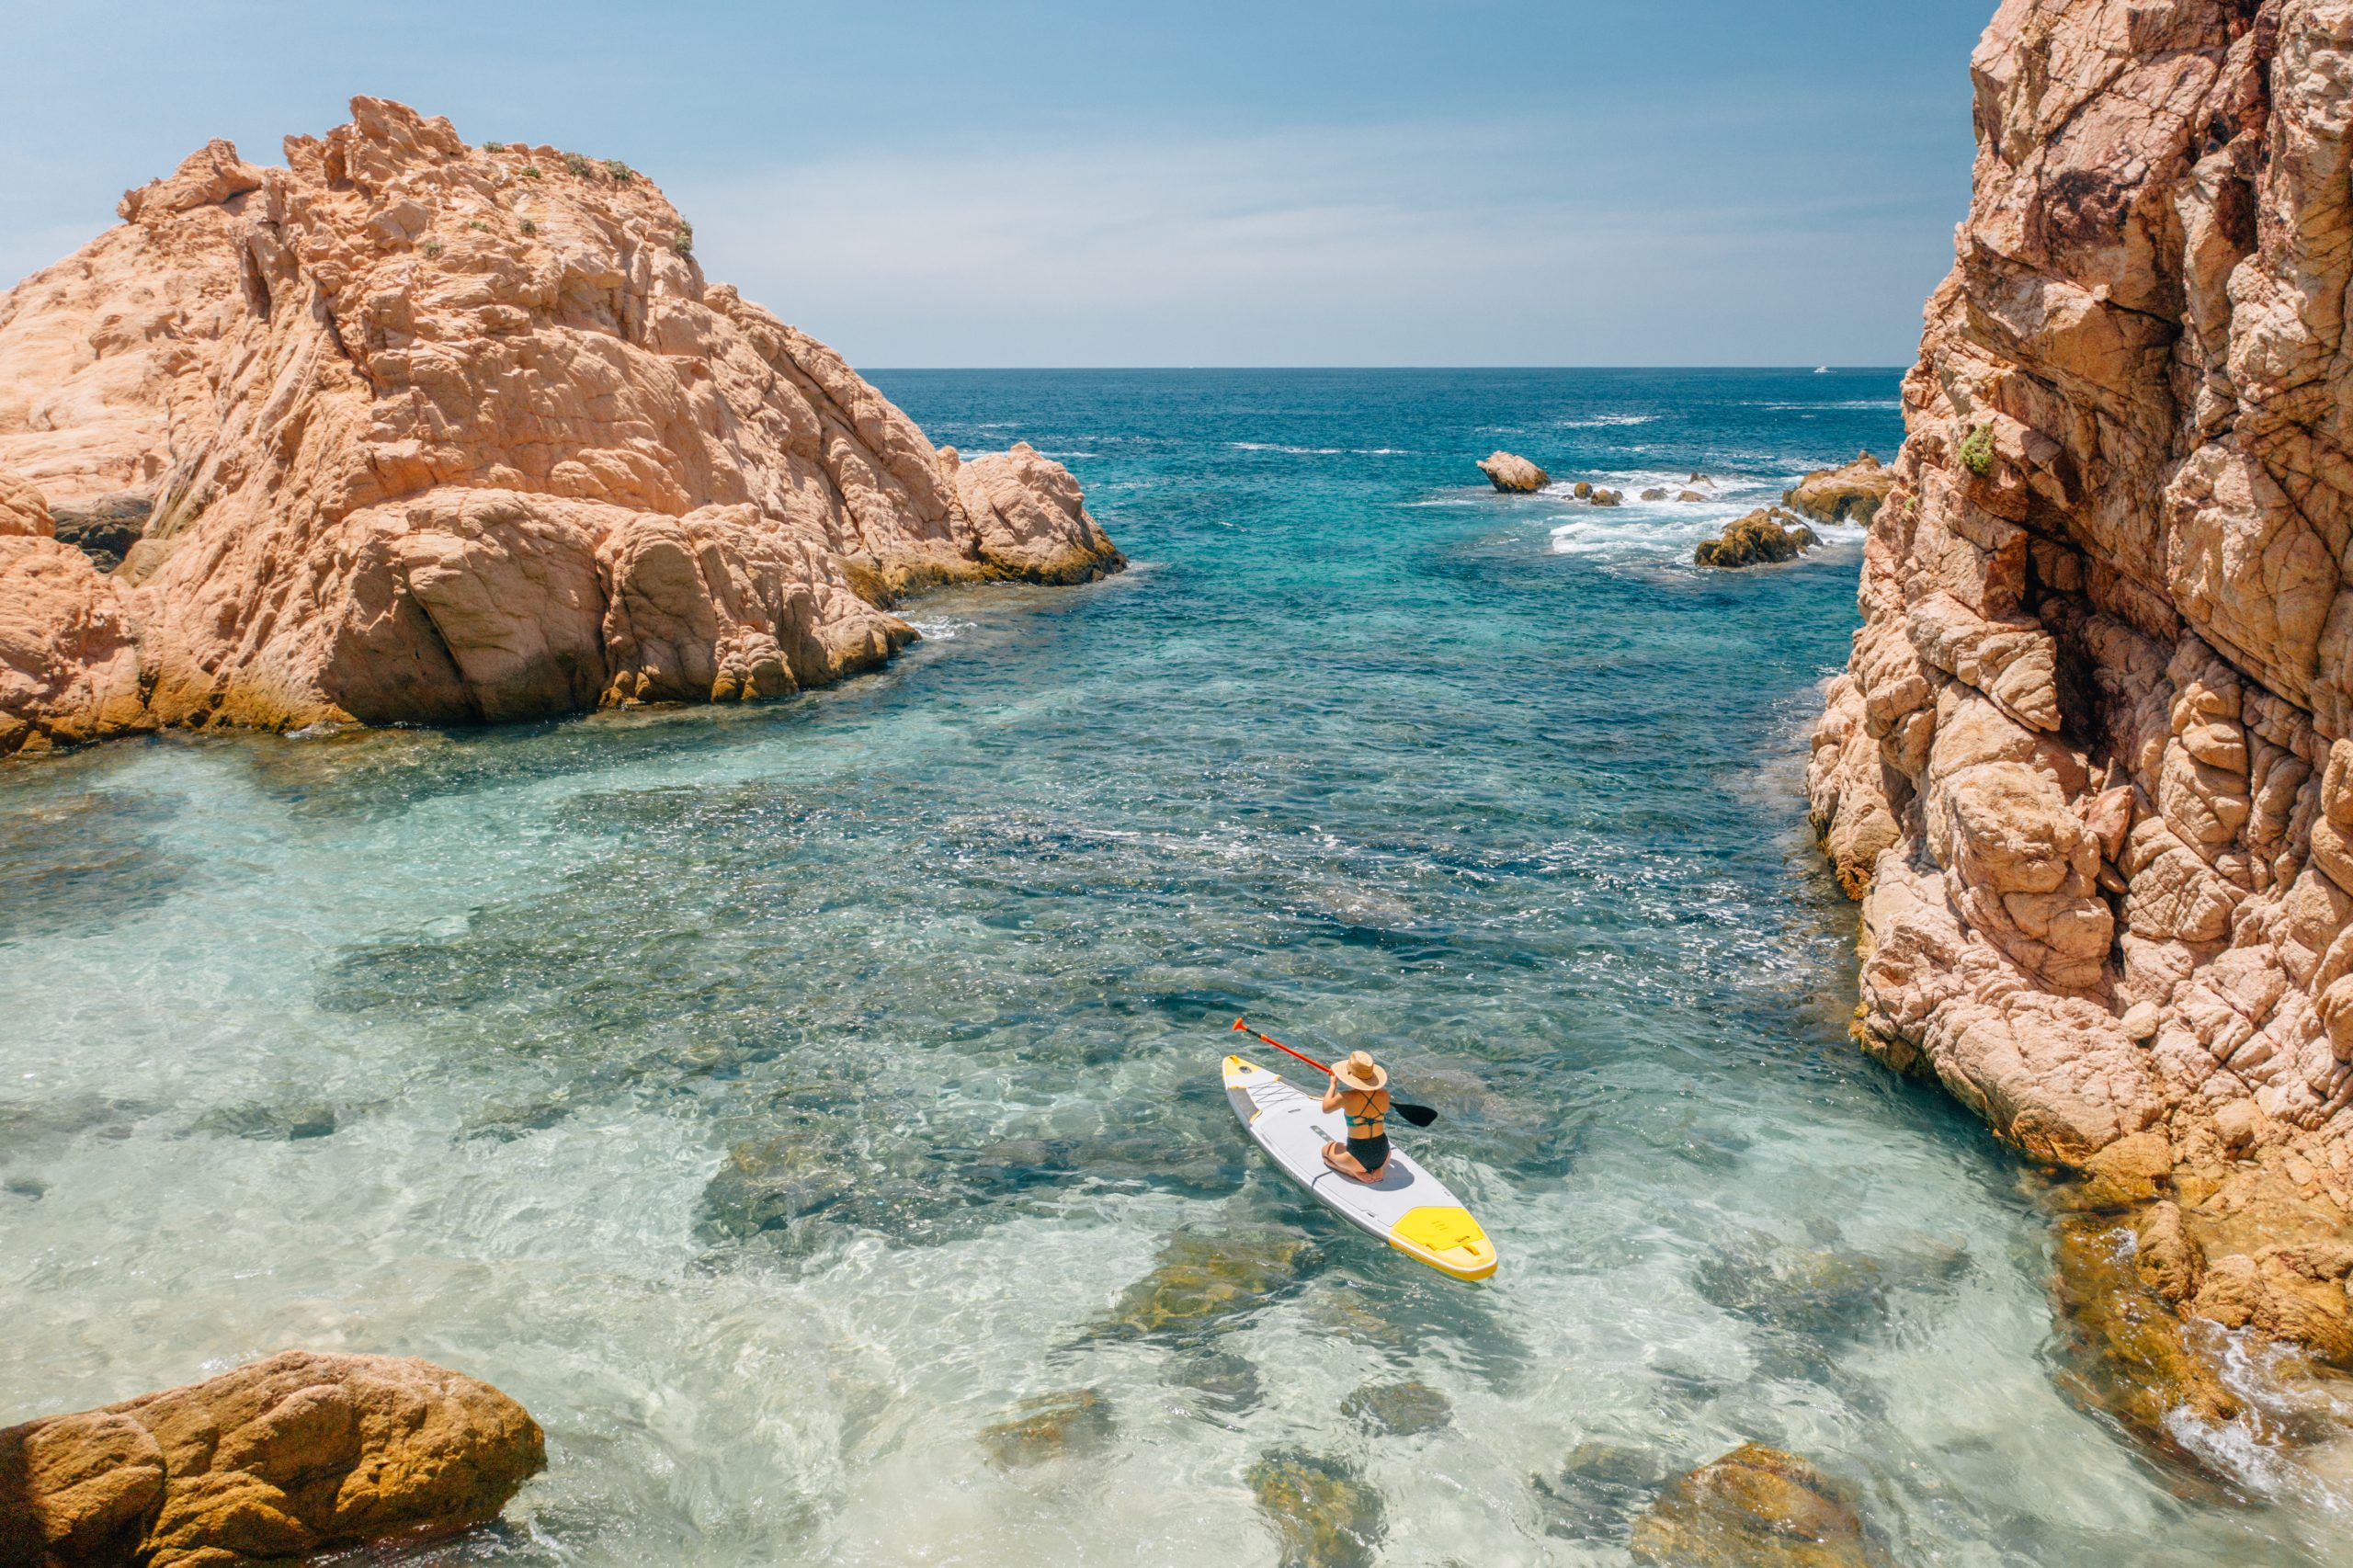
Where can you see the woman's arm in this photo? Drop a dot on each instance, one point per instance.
(1331, 1094)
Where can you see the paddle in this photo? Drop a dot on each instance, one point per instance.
(1419, 1115)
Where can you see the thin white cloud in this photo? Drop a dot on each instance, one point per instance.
(1446, 246)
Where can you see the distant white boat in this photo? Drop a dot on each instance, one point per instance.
(1821, 370)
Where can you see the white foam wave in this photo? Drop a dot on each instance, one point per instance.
(1638, 532)
(942, 628)
(1605, 421)
(1294, 451)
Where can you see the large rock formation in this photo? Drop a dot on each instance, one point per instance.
(411, 430)
(2091, 766)
(268, 1463)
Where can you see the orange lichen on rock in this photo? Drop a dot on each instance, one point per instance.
(431, 433)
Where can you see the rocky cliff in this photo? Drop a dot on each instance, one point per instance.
(2090, 768)
(412, 430)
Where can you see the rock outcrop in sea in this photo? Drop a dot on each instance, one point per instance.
(2090, 769)
(287, 1456)
(1513, 474)
(414, 431)
(1764, 536)
(1851, 493)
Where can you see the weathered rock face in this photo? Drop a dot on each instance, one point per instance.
(1849, 494)
(1765, 536)
(417, 431)
(268, 1463)
(2092, 759)
(1512, 474)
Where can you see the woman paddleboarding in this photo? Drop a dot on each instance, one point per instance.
(1360, 1090)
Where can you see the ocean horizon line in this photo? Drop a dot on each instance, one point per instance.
(1463, 369)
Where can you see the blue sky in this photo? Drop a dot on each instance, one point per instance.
(1379, 182)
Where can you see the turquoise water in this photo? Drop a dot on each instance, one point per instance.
(775, 1100)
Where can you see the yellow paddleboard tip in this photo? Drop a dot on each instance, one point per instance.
(1448, 1239)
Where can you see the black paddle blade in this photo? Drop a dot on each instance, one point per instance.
(1419, 1114)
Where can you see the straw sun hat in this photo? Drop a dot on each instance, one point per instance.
(1360, 1073)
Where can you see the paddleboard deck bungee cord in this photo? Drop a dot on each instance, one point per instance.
(1407, 1208)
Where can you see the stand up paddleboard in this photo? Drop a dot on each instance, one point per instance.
(1408, 1207)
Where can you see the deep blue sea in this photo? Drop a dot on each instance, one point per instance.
(811, 1112)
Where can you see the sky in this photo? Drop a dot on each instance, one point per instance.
(1100, 183)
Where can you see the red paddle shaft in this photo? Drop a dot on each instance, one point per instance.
(1279, 1045)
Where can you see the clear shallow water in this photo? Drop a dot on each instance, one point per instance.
(774, 1100)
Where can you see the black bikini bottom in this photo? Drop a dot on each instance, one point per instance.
(1371, 1152)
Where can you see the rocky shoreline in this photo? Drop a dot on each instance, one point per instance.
(2090, 769)
(414, 431)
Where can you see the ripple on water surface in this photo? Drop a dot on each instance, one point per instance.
(810, 1113)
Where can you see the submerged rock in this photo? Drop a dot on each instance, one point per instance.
(1322, 1515)
(1756, 1507)
(1515, 475)
(251, 1118)
(1823, 1293)
(1766, 535)
(1654, 493)
(1600, 1487)
(1052, 1426)
(287, 1456)
(1203, 1277)
(1399, 1410)
(1226, 1382)
(1849, 494)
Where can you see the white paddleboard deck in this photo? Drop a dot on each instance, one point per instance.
(1407, 1208)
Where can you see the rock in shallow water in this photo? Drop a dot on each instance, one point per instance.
(1600, 1487)
(1051, 1426)
(1400, 1410)
(275, 1460)
(1202, 1279)
(1322, 1515)
(1756, 1507)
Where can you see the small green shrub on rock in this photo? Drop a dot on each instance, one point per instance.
(1977, 451)
(684, 241)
